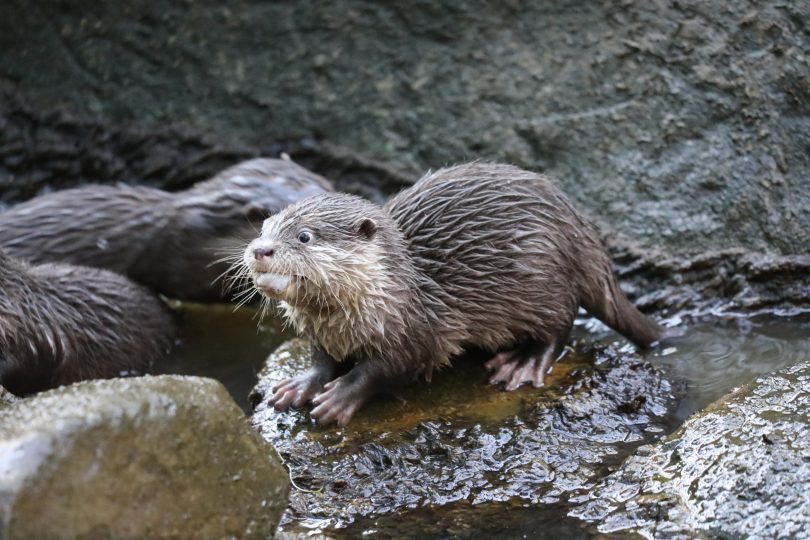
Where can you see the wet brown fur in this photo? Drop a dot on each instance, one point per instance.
(480, 255)
(170, 242)
(61, 324)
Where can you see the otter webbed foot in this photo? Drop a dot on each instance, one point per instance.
(343, 396)
(297, 391)
(522, 365)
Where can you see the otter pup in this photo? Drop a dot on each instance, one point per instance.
(171, 242)
(480, 255)
(61, 324)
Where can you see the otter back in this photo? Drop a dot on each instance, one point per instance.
(171, 242)
(61, 324)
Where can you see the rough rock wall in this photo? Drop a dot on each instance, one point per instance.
(683, 123)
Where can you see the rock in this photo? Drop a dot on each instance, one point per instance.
(6, 397)
(739, 469)
(459, 439)
(148, 457)
(679, 123)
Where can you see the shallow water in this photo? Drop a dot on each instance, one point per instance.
(224, 343)
(714, 357)
(709, 360)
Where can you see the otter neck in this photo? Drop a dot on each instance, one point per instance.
(376, 311)
(11, 272)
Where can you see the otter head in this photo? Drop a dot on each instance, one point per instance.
(255, 189)
(322, 253)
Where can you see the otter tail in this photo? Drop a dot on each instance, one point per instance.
(604, 299)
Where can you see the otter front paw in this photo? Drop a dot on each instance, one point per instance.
(297, 391)
(340, 400)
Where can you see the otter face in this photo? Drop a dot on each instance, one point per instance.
(317, 253)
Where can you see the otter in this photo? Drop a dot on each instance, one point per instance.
(478, 256)
(172, 243)
(61, 324)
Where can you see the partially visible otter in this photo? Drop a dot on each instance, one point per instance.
(481, 256)
(170, 242)
(61, 324)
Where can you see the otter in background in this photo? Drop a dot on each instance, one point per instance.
(172, 243)
(480, 255)
(61, 324)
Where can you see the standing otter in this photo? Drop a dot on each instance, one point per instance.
(480, 256)
(171, 242)
(61, 324)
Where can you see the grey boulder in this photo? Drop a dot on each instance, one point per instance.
(148, 457)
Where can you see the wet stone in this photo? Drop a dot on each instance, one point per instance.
(6, 397)
(146, 457)
(461, 440)
(738, 469)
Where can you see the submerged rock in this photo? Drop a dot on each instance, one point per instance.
(739, 469)
(149, 457)
(459, 439)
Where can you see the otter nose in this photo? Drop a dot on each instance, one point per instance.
(262, 252)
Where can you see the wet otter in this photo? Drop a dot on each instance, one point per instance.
(60, 324)
(479, 256)
(170, 242)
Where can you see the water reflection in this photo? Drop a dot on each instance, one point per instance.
(715, 357)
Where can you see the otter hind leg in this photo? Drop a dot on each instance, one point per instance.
(528, 363)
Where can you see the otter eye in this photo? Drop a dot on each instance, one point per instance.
(304, 237)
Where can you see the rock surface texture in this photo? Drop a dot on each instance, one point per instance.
(461, 440)
(679, 123)
(739, 469)
(150, 457)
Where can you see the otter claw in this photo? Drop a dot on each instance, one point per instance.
(338, 402)
(295, 391)
(515, 369)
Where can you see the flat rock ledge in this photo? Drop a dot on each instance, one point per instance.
(738, 469)
(146, 457)
(461, 440)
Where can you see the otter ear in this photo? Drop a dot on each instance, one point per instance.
(254, 211)
(366, 227)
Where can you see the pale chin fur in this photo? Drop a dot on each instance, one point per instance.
(360, 305)
(272, 284)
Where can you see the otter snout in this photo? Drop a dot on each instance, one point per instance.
(259, 256)
(260, 253)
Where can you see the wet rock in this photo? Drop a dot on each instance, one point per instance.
(150, 457)
(739, 469)
(42, 149)
(716, 283)
(683, 123)
(6, 397)
(459, 439)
